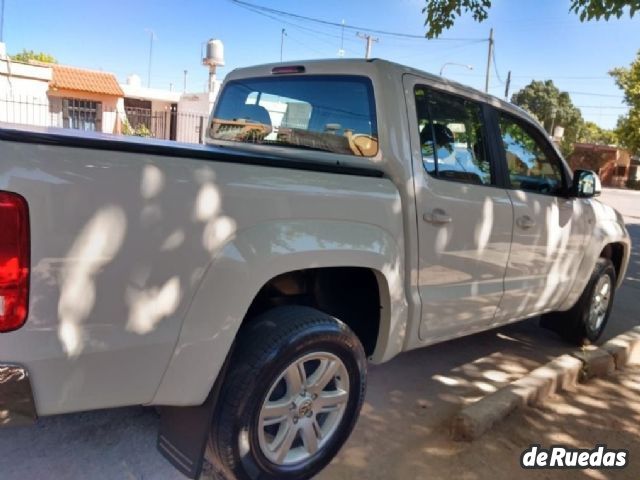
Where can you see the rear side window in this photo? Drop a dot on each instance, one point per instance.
(326, 113)
(452, 137)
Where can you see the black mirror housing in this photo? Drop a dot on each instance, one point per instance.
(586, 184)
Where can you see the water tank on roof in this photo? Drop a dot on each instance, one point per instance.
(215, 54)
(558, 132)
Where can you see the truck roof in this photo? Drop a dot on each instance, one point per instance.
(375, 66)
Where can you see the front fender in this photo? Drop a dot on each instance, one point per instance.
(253, 257)
(606, 231)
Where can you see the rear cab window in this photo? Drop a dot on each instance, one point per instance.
(326, 113)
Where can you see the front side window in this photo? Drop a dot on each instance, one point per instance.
(326, 113)
(531, 167)
(452, 137)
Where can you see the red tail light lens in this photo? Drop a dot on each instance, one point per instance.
(14, 261)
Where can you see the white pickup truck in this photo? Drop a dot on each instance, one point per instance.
(341, 212)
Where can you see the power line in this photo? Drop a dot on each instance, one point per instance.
(617, 107)
(595, 94)
(274, 11)
(302, 28)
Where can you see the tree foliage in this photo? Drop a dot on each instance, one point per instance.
(552, 108)
(441, 14)
(548, 104)
(592, 133)
(28, 55)
(628, 128)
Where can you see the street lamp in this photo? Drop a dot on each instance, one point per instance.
(468, 67)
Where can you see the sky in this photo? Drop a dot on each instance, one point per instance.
(534, 39)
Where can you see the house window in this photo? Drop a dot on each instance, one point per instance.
(82, 114)
(138, 112)
(621, 171)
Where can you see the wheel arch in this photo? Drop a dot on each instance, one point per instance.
(253, 261)
(609, 240)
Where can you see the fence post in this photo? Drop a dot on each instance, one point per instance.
(201, 131)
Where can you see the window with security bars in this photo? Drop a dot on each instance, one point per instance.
(82, 114)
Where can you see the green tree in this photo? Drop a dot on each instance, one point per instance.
(628, 128)
(28, 55)
(592, 133)
(552, 108)
(441, 14)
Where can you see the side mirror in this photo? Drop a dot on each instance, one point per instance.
(586, 184)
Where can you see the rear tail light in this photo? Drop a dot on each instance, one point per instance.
(14, 261)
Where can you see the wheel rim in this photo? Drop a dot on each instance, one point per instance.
(600, 302)
(303, 408)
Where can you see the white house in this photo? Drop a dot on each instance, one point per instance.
(70, 97)
(23, 91)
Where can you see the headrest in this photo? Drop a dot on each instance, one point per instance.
(443, 135)
(255, 113)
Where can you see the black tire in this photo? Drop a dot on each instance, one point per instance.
(573, 325)
(265, 348)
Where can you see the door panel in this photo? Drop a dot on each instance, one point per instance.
(464, 220)
(549, 228)
(544, 256)
(462, 262)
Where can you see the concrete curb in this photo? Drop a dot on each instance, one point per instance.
(562, 373)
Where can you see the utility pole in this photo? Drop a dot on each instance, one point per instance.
(506, 87)
(489, 58)
(283, 34)
(184, 84)
(152, 37)
(369, 40)
(554, 112)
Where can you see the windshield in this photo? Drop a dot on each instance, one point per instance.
(327, 113)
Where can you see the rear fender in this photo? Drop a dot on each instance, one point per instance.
(253, 257)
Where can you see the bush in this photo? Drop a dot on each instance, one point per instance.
(141, 130)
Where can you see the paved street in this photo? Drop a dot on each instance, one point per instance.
(402, 432)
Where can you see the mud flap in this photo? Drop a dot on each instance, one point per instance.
(183, 432)
(182, 437)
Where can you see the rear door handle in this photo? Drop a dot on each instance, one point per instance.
(437, 217)
(525, 222)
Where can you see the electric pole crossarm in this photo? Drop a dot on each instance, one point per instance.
(369, 39)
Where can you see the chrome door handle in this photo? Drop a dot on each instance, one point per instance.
(525, 222)
(437, 217)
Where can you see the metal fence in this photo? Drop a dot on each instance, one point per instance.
(25, 111)
(62, 113)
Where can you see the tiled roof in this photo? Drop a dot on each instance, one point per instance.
(71, 78)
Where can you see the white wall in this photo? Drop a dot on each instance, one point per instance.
(23, 93)
(191, 108)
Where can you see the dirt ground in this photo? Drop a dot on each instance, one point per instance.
(603, 411)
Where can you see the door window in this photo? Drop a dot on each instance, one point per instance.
(452, 137)
(531, 164)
